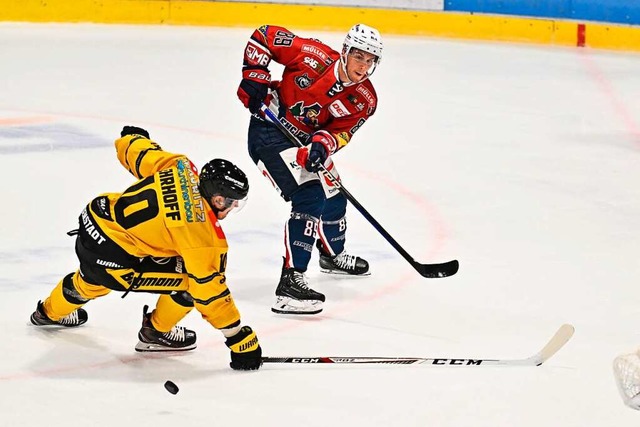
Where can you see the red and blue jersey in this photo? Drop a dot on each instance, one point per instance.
(310, 95)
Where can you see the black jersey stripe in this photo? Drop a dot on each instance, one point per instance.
(141, 156)
(210, 300)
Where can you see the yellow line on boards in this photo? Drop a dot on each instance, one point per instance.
(326, 18)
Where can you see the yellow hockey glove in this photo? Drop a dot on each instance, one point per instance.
(246, 354)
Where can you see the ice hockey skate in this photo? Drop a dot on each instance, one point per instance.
(342, 263)
(76, 318)
(178, 338)
(293, 295)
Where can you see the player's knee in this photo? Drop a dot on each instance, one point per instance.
(309, 199)
(335, 208)
(182, 298)
(77, 291)
(69, 291)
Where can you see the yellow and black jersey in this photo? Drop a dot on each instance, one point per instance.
(161, 215)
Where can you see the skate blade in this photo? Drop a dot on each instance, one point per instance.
(343, 273)
(54, 326)
(287, 305)
(148, 347)
(35, 322)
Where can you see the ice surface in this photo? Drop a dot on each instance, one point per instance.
(520, 161)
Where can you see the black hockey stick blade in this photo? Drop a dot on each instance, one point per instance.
(431, 271)
(557, 341)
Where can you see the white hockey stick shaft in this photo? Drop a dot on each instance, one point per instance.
(559, 339)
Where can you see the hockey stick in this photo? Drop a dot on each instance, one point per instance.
(559, 339)
(426, 270)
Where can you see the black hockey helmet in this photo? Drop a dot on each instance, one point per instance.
(221, 177)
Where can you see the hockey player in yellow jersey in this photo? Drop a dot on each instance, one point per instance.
(161, 235)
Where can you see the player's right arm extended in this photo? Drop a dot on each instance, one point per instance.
(141, 156)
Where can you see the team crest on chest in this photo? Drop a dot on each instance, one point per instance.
(307, 115)
(303, 81)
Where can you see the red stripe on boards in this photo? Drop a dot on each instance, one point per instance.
(582, 35)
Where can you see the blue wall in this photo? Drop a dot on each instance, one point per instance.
(618, 11)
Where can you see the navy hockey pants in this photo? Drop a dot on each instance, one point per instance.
(313, 213)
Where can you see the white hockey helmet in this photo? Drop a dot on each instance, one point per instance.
(365, 38)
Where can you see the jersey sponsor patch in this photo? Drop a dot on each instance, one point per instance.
(315, 51)
(256, 54)
(355, 101)
(338, 109)
(315, 64)
(367, 95)
(335, 89)
(357, 126)
(343, 139)
(100, 207)
(192, 201)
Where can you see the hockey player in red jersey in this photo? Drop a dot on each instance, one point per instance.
(323, 98)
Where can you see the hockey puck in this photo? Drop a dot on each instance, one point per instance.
(171, 387)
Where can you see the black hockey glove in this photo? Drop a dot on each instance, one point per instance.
(134, 130)
(254, 87)
(246, 354)
(322, 144)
